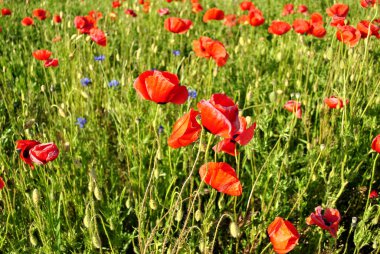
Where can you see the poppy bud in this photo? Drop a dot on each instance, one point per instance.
(152, 204)
(128, 203)
(35, 197)
(33, 240)
(179, 215)
(198, 215)
(98, 193)
(234, 229)
(96, 241)
(87, 218)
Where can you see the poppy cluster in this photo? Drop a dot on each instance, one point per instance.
(206, 47)
(88, 25)
(44, 55)
(32, 151)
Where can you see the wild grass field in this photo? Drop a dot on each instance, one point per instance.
(117, 186)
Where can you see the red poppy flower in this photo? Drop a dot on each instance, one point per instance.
(40, 14)
(244, 20)
(288, 9)
(130, 12)
(294, 107)
(161, 87)
(348, 35)
(146, 7)
(246, 5)
(57, 19)
(279, 27)
(6, 12)
(186, 130)
(84, 24)
(141, 1)
(51, 62)
(177, 25)
(283, 235)
(222, 177)
(42, 54)
(23, 147)
(196, 7)
(339, 10)
(367, 3)
(334, 102)
(98, 37)
(207, 47)
(230, 20)
(328, 221)
(27, 21)
(163, 11)
(2, 183)
(301, 26)
(242, 137)
(213, 14)
(116, 4)
(95, 15)
(376, 144)
(256, 17)
(374, 194)
(316, 22)
(338, 21)
(367, 28)
(220, 115)
(302, 9)
(43, 153)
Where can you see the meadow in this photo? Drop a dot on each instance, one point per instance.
(113, 184)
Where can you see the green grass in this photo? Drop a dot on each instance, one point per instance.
(117, 185)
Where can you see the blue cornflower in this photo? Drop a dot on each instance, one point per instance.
(113, 83)
(100, 58)
(176, 52)
(192, 93)
(160, 129)
(85, 81)
(81, 121)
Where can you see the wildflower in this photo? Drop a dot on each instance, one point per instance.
(348, 35)
(367, 3)
(42, 54)
(6, 12)
(40, 14)
(160, 87)
(163, 11)
(246, 5)
(113, 83)
(222, 177)
(186, 130)
(295, 107)
(160, 129)
(209, 48)
(334, 102)
(213, 14)
(99, 58)
(176, 52)
(192, 93)
(81, 121)
(376, 143)
(53, 62)
(85, 81)
(57, 19)
(27, 21)
(33, 151)
(287, 9)
(328, 221)
(2, 183)
(374, 194)
(283, 235)
(279, 27)
(302, 9)
(131, 13)
(177, 25)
